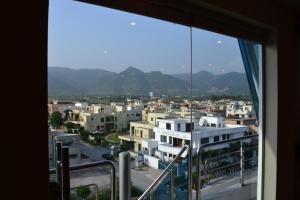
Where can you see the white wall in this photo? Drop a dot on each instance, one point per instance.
(151, 161)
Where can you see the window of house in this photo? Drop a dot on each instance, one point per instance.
(205, 140)
(187, 127)
(170, 140)
(216, 138)
(224, 137)
(213, 125)
(102, 119)
(163, 138)
(168, 126)
(178, 127)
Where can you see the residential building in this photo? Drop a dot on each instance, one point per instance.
(172, 134)
(240, 109)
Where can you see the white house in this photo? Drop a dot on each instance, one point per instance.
(172, 134)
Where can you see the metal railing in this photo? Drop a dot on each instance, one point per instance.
(203, 146)
(63, 171)
(166, 171)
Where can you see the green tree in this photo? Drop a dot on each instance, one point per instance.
(56, 119)
(70, 125)
(83, 192)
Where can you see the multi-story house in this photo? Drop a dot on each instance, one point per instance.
(240, 109)
(107, 118)
(172, 134)
(143, 130)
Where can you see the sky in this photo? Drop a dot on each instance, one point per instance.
(82, 35)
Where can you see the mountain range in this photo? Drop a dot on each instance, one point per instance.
(132, 81)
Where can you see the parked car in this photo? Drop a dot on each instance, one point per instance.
(107, 156)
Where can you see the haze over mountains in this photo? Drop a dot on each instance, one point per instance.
(132, 81)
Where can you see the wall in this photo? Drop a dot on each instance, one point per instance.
(151, 161)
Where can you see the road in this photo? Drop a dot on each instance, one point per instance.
(94, 153)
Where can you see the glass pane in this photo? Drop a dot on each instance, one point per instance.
(225, 111)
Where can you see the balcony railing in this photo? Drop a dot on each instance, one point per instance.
(154, 191)
(63, 169)
(242, 160)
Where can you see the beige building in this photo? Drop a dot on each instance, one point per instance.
(142, 130)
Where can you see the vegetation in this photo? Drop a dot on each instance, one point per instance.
(70, 126)
(105, 193)
(83, 192)
(56, 119)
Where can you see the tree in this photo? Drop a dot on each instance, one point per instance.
(70, 126)
(56, 119)
(83, 192)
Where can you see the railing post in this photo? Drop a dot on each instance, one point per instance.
(198, 191)
(242, 163)
(190, 168)
(58, 164)
(124, 176)
(113, 183)
(171, 185)
(205, 170)
(65, 174)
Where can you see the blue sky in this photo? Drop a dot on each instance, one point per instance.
(87, 36)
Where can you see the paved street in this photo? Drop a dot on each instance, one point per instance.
(94, 153)
(144, 177)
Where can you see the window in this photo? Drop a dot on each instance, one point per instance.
(188, 127)
(163, 138)
(178, 127)
(238, 122)
(205, 140)
(167, 47)
(224, 137)
(170, 140)
(216, 138)
(168, 126)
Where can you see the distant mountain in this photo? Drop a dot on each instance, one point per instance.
(132, 81)
(204, 82)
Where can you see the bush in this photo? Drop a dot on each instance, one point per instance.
(83, 192)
